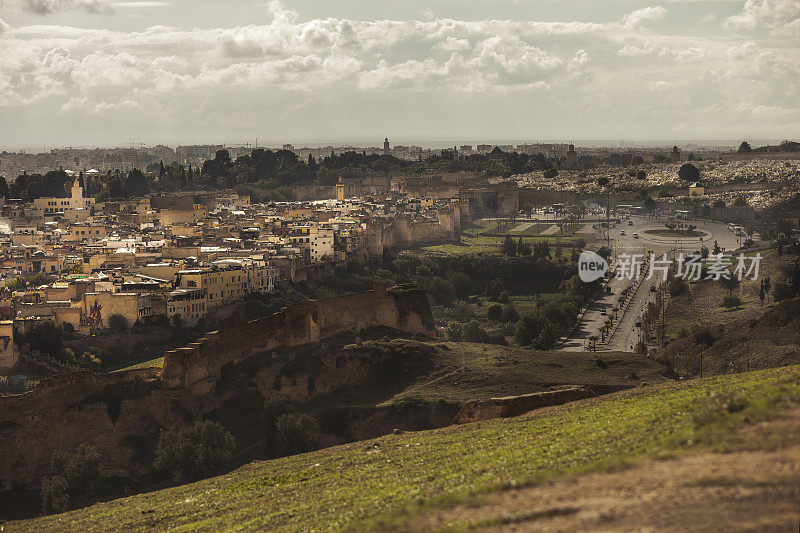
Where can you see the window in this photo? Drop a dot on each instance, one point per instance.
(191, 283)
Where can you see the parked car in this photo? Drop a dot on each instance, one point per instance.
(635, 235)
(622, 232)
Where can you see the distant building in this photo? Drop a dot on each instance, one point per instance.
(497, 154)
(572, 157)
(65, 207)
(386, 149)
(675, 154)
(697, 189)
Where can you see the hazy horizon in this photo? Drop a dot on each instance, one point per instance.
(105, 73)
(426, 144)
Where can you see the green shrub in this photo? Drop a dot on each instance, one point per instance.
(55, 494)
(194, 452)
(454, 331)
(71, 475)
(275, 406)
(730, 300)
(473, 332)
(494, 313)
(296, 433)
(118, 323)
(509, 314)
(81, 469)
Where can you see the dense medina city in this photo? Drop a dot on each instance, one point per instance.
(304, 266)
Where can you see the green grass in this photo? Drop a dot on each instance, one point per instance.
(158, 362)
(536, 229)
(465, 371)
(397, 476)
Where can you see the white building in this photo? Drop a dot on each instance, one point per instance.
(320, 243)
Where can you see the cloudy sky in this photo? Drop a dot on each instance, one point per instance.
(105, 73)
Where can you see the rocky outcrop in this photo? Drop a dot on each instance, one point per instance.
(509, 406)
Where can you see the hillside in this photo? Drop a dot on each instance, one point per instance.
(765, 337)
(402, 479)
(456, 372)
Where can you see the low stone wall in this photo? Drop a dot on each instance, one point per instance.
(476, 410)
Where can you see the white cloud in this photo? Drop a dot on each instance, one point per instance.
(140, 4)
(554, 69)
(638, 17)
(782, 17)
(46, 7)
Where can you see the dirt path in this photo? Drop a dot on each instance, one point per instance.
(743, 491)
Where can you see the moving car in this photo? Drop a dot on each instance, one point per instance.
(622, 232)
(635, 235)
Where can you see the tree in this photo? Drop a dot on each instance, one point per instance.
(641, 175)
(730, 283)
(603, 181)
(81, 469)
(528, 328)
(740, 201)
(136, 184)
(473, 332)
(296, 433)
(509, 246)
(118, 323)
(744, 148)
(494, 313)
(523, 248)
(44, 337)
(54, 494)
(194, 452)
(689, 172)
(454, 332)
(71, 475)
(509, 314)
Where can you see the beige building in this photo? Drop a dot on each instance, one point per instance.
(697, 189)
(222, 285)
(131, 305)
(187, 304)
(79, 232)
(8, 350)
(65, 206)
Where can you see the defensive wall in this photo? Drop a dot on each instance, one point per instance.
(121, 413)
(197, 366)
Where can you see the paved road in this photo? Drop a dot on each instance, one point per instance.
(625, 336)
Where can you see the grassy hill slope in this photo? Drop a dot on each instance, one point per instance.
(373, 483)
(462, 371)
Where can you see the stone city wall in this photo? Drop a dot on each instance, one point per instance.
(198, 365)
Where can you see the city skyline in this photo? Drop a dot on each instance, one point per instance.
(96, 73)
